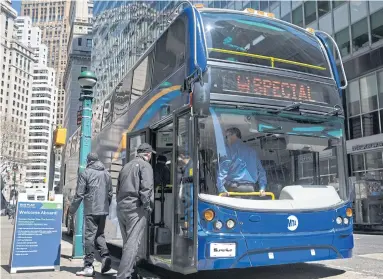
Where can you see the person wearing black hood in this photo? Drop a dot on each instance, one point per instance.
(94, 186)
(162, 172)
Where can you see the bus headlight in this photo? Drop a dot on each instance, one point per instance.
(345, 221)
(339, 220)
(218, 225)
(349, 212)
(208, 215)
(230, 224)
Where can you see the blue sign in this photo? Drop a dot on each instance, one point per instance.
(37, 235)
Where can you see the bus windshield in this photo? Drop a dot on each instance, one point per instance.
(262, 41)
(257, 149)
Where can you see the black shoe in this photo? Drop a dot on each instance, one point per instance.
(134, 275)
(106, 264)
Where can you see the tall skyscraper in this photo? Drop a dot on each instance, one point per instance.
(53, 18)
(16, 72)
(79, 54)
(42, 108)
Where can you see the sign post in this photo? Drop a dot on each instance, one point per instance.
(36, 243)
(87, 80)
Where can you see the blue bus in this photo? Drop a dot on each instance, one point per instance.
(247, 110)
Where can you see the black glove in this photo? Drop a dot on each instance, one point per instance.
(148, 210)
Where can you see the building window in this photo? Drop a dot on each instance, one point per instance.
(374, 160)
(355, 127)
(89, 42)
(369, 93)
(83, 69)
(357, 162)
(298, 16)
(342, 39)
(377, 26)
(359, 32)
(370, 122)
(380, 86)
(323, 7)
(79, 41)
(310, 12)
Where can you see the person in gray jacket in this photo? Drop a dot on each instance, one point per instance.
(134, 197)
(94, 186)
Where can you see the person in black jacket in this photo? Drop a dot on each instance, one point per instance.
(134, 199)
(162, 172)
(94, 186)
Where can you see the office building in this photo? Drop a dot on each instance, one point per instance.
(122, 31)
(79, 55)
(16, 73)
(52, 17)
(42, 108)
(81, 11)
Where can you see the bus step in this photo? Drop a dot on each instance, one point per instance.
(145, 274)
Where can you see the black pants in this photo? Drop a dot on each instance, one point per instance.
(132, 225)
(94, 238)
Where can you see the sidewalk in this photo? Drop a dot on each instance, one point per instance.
(68, 267)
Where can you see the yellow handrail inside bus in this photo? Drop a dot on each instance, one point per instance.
(271, 194)
(272, 59)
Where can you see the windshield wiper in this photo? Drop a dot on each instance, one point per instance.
(335, 112)
(293, 107)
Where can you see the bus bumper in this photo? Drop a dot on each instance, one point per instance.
(266, 250)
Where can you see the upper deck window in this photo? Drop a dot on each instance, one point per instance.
(262, 41)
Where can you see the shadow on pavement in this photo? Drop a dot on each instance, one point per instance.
(73, 270)
(296, 271)
(6, 268)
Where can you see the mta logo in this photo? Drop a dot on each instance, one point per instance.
(292, 223)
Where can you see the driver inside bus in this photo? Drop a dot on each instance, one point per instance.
(242, 170)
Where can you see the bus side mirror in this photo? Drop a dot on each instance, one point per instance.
(201, 95)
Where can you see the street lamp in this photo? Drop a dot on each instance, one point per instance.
(87, 81)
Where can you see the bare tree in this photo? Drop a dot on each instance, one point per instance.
(8, 135)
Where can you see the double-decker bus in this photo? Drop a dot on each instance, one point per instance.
(214, 73)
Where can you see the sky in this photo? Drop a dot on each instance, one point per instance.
(16, 4)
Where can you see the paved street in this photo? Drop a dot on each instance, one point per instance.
(366, 264)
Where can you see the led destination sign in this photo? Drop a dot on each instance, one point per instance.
(270, 86)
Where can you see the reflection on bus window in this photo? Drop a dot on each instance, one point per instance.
(272, 152)
(262, 41)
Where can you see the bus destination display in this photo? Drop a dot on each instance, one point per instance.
(276, 87)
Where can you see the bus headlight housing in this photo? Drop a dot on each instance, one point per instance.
(208, 215)
(349, 212)
(218, 225)
(230, 224)
(345, 221)
(339, 220)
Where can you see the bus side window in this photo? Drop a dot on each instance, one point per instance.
(170, 51)
(141, 78)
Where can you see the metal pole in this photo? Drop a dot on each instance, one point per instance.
(51, 163)
(85, 148)
(14, 181)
